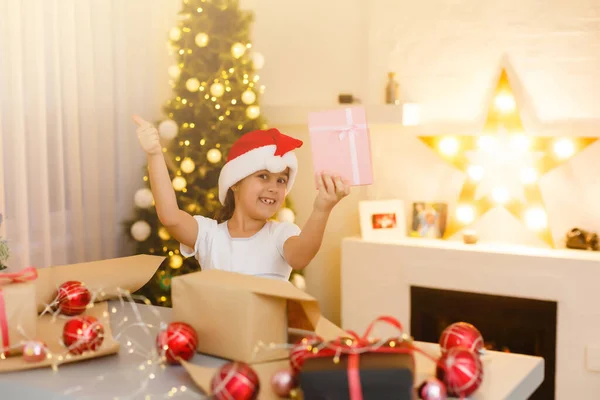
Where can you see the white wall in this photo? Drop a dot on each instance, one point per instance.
(445, 52)
(314, 49)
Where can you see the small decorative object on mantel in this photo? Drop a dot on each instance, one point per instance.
(347, 98)
(580, 239)
(470, 236)
(392, 90)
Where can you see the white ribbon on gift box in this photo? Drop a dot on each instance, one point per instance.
(349, 131)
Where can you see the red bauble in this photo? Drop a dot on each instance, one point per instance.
(83, 333)
(461, 334)
(179, 340)
(432, 389)
(235, 380)
(73, 298)
(462, 372)
(283, 382)
(34, 351)
(299, 351)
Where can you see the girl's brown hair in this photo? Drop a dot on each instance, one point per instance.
(226, 212)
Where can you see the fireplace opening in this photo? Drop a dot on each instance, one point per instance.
(509, 324)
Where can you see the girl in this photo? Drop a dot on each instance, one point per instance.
(260, 170)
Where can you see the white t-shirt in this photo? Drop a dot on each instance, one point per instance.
(260, 254)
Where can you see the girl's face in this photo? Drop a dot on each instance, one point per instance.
(261, 194)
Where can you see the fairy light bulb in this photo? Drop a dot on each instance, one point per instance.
(505, 102)
(475, 172)
(192, 84)
(214, 156)
(465, 214)
(188, 165)
(217, 89)
(253, 112)
(500, 195)
(248, 97)
(201, 39)
(179, 183)
(486, 142)
(564, 148)
(536, 219)
(520, 142)
(449, 146)
(176, 261)
(529, 175)
(238, 50)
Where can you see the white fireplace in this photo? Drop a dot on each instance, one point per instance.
(376, 278)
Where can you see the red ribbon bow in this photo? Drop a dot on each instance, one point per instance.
(362, 344)
(27, 274)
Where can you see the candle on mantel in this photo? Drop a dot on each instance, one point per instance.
(470, 236)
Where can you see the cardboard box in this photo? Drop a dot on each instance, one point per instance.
(341, 144)
(246, 318)
(106, 279)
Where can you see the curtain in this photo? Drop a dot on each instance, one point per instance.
(72, 72)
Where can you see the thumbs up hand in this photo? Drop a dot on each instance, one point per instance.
(147, 135)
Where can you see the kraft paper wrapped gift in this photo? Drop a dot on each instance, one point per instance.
(239, 316)
(341, 144)
(106, 279)
(18, 315)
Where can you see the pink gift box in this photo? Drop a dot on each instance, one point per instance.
(341, 144)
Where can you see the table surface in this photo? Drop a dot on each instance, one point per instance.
(135, 373)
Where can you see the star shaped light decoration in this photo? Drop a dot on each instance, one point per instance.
(503, 165)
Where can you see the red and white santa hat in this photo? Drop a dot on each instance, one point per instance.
(256, 151)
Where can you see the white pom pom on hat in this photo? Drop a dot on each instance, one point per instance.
(259, 150)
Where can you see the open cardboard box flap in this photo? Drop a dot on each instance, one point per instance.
(106, 279)
(202, 376)
(247, 318)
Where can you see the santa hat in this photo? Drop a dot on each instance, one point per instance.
(256, 151)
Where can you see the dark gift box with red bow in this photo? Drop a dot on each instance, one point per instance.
(378, 377)
(358, 368)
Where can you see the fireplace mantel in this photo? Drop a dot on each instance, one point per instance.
(376, 279)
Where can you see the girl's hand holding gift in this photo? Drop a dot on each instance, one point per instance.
(331, 191)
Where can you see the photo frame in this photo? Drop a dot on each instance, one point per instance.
(429, 220)
(382, 219)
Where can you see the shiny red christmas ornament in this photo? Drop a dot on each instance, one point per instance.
(299, 351)
(83, 333)
(461, 334)
(34, 351)
(235, 380)
(432, 389)
(283, 382)
(73, 298)
(462, 371)
(178, 340)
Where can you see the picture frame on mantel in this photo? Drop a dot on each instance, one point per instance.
(429, 220)
(382, 219)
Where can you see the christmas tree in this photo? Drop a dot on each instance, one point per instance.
(215, 100)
